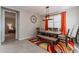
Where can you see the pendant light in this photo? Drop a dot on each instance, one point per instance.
(47, 13)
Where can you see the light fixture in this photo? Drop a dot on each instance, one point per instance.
(47, 13)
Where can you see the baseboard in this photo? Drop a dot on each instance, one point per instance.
(0, 43)
(29, 37)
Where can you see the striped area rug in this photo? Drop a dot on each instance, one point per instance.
(58, 48)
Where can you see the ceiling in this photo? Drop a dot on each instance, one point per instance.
(41, 10)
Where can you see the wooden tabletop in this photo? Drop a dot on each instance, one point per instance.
(51, 32)
(48, 38)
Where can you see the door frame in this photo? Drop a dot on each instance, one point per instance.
(3, 22)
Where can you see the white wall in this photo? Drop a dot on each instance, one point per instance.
(72, 17)
(42, 25)
(26, 27)
(78, 16)
(0, 24)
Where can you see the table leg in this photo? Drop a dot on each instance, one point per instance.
(52, 43)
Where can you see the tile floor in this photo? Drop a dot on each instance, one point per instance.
(20, 46)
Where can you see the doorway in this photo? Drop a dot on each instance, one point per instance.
(10, 25)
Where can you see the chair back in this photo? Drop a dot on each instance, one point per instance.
(68, 32)
(75, 31)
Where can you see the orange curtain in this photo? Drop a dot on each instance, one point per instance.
(46, 23)
(63, 23)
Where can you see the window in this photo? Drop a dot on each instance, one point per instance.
(55, 22)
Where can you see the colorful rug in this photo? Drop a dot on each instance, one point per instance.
(60, 47)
